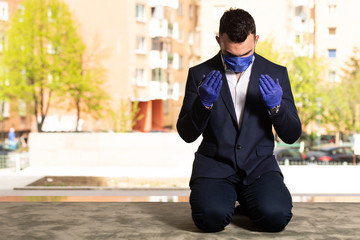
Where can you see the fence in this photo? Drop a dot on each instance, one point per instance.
(17, 160)
(303, 163)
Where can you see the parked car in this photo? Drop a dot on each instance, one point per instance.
(292, 155)
(326, 154)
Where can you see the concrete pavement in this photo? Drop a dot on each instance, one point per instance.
(43, 220)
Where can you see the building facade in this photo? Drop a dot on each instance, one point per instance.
(151, 45)
(336, 34)
(147, 46)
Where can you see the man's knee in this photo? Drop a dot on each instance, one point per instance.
(274, 219)
(212, 220)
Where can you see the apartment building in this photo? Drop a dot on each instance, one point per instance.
(336, 34)
(153, 44)
(147, 46)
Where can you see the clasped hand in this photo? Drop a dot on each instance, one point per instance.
(271, 92)
(209, 88)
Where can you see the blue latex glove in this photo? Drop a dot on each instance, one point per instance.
(271, 92)
(209, 88)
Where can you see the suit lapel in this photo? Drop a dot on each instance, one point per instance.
(225, 90)
(252, 95)
(226, 96)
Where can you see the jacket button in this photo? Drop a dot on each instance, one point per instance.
(238, 147)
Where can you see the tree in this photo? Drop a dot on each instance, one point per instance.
(84, 85)
(336, 109)
(45, 58)
(266, 48)
(304, 74)
(5, 93)
(346, 104)
(126, 117)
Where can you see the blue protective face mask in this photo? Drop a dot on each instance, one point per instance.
(237, 64)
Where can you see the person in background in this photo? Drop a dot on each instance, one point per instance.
(12, 139)
(233, 100)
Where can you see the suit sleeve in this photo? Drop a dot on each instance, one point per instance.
(286, 122)
(193, 116)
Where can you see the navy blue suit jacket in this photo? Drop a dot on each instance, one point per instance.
(226, 148)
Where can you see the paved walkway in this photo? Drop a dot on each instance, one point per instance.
(317, 221)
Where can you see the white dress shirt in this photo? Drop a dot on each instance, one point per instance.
(238, 88)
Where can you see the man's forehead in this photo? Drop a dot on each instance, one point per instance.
(225, 37)
(237, 49)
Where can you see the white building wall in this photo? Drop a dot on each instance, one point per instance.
(272, 19)
(344, 17)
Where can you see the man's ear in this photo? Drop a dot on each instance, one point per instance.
(218, 40)
(256, 39)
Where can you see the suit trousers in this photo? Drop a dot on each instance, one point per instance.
(267, 202)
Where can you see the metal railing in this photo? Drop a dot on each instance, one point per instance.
(17, 160)
(304, 163)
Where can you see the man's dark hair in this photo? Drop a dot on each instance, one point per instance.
(237, 24)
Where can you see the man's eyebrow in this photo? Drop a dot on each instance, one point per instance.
(230, 54)
(246, 53)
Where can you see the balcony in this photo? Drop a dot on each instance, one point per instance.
(158, 28)
(158, 59)
(303, 3)
(168, 3)
(164, 91)
(158, 90)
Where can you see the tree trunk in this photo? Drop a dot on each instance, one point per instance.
(77, 114)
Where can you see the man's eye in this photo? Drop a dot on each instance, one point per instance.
(231, 55)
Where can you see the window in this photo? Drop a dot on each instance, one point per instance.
(22, 108)
(190, 11)
(332, 76)
(332, 31)
(170, 29)
(166, 107)
(175, 30)
(2, 43)
(332, 10)
(157, 44)
(140, 13)
(21, 12)
(332, 53)
(140, 44)
(180, 9)
(157, 12)
(51, 49)
(191, 38)
(157, 75)
(5, 109)
(140, 79)
(181, 62)
(4, 11)
(49, 14)
(300, 12)
(170, 58)
(175, 60)
(348, 151)
(181, 35)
